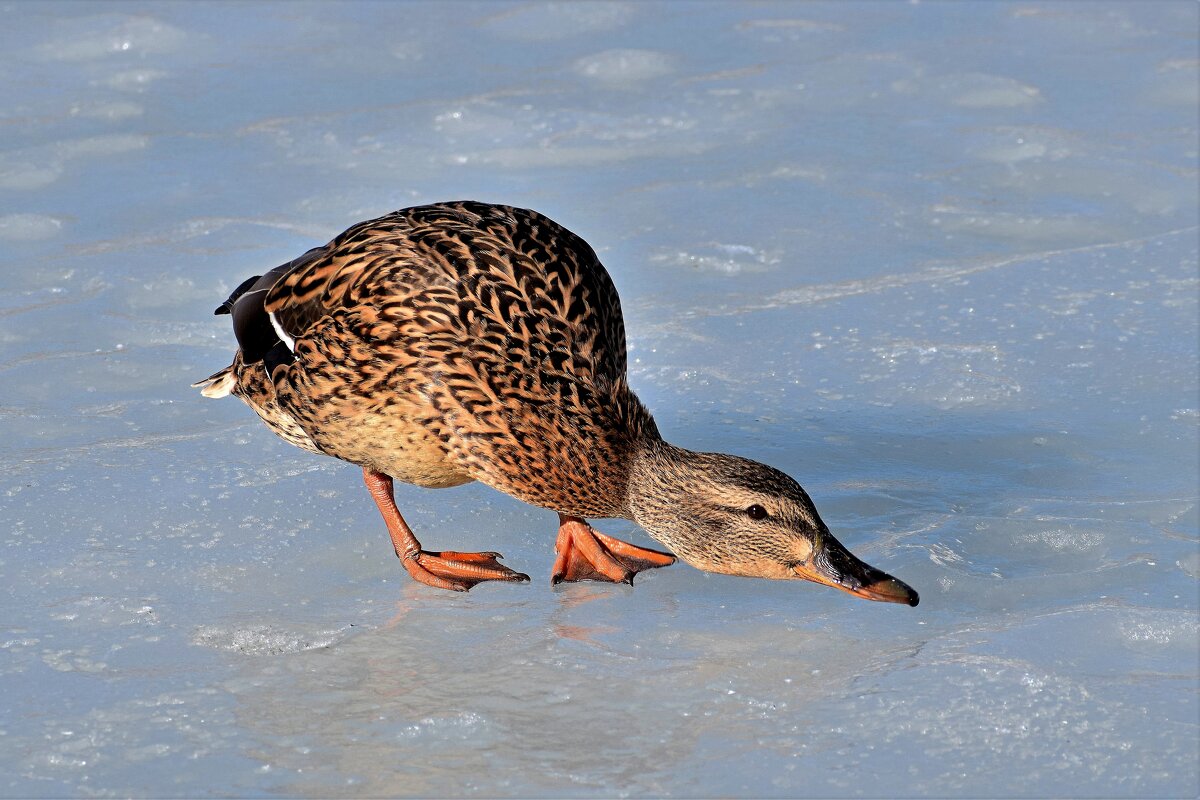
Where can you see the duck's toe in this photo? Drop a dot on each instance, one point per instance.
(585, 554)
(460, 571)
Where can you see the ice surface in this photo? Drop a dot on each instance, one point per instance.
(623, 67)
(937, 261)
(29, 226)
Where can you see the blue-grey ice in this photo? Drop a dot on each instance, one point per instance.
(937, 261)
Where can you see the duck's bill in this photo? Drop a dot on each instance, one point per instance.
(833, 565)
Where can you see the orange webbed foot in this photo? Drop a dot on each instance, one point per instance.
(585, 554)
(458, 571)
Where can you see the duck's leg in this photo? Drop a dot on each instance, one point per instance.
(586, 554)
(445, 570)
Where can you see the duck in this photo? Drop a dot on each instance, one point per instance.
(467, 341)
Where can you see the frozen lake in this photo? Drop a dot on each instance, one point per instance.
(938, 262)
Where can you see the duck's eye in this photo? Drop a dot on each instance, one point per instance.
(756, 512)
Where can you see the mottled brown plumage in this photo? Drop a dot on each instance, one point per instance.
(465, 341)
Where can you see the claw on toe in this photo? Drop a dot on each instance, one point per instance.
(585, 554)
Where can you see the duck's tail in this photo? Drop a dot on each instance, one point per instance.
(219, 384)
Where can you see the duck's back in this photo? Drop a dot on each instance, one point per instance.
(455, 341)
(504, 273)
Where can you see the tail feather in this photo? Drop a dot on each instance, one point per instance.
(219, 384)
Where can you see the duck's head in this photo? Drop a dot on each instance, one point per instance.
(727, 514)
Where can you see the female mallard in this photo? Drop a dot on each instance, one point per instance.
(465, 341)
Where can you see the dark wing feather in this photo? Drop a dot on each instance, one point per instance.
(252, 325)
(300, 312)
(245, 286)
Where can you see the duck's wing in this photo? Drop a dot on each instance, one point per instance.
(505, 279)
(259, 331)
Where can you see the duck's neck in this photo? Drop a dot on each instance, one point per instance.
(657, 472)
(598, 456)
